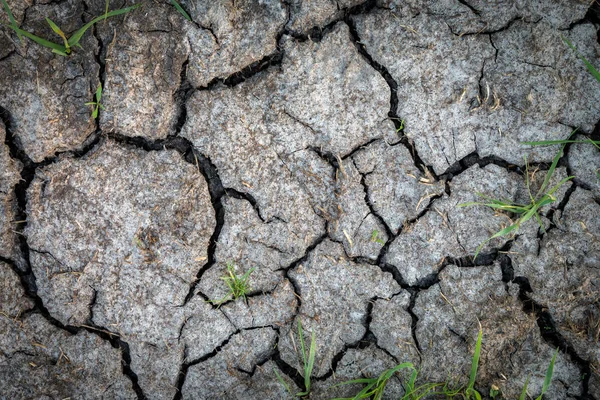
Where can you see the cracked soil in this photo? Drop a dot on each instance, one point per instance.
(326, 144)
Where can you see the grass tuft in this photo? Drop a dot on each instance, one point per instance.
(544, 196)
(238, 286)
(308, 360)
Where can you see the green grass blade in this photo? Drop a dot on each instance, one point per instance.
(181, 10)
(99, 93)
(524, 391)
(589, 65)
(559, 184)
(60, 33)
(548, 378)
(106, 10)
(551, 169)
(301, 335)
(311, 361)
(285, 385)
(474, 366)
(58, 48)
(74, 40)
(410, 385)
(11, 17)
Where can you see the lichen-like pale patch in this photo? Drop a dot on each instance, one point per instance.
(143, 69)
(447, 331)
(335, 293)
(116, 239)
(9, 177)
(231, 36)
(484, 93)
(563, 273)
(46, 93)
(451, 231)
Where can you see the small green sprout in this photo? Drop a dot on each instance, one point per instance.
(65, 48)
(238, 285)
(96, 103)
(376, 238)
(543, 197)
(401, 127)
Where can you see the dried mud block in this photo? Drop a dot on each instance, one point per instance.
(484, 93)
(447, 230)
(246, 241)
(259, 134)
(543, 89)
(584, 160)
(12, 296)
(563, 273)
(306, 15)
(477, 16)
(229, 125)
(9, 176)
(46, 92)
(351, 222)
(447, 332)
(236, 362)
(392, 326)
(116, 239)
(8, 41)
(438, 76)
(335, 294)
(45, 361)
(343, 100)
(144, 62)
(230, 36)
(39, 360)
(367, 362)
(397, 189)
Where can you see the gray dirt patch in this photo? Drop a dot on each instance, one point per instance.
(273, 167)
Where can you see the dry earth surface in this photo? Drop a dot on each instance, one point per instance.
(326, 144)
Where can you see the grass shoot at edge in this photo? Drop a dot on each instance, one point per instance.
(73, 41)
(308, 363)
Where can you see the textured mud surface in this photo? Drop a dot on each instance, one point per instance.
(324, 144)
